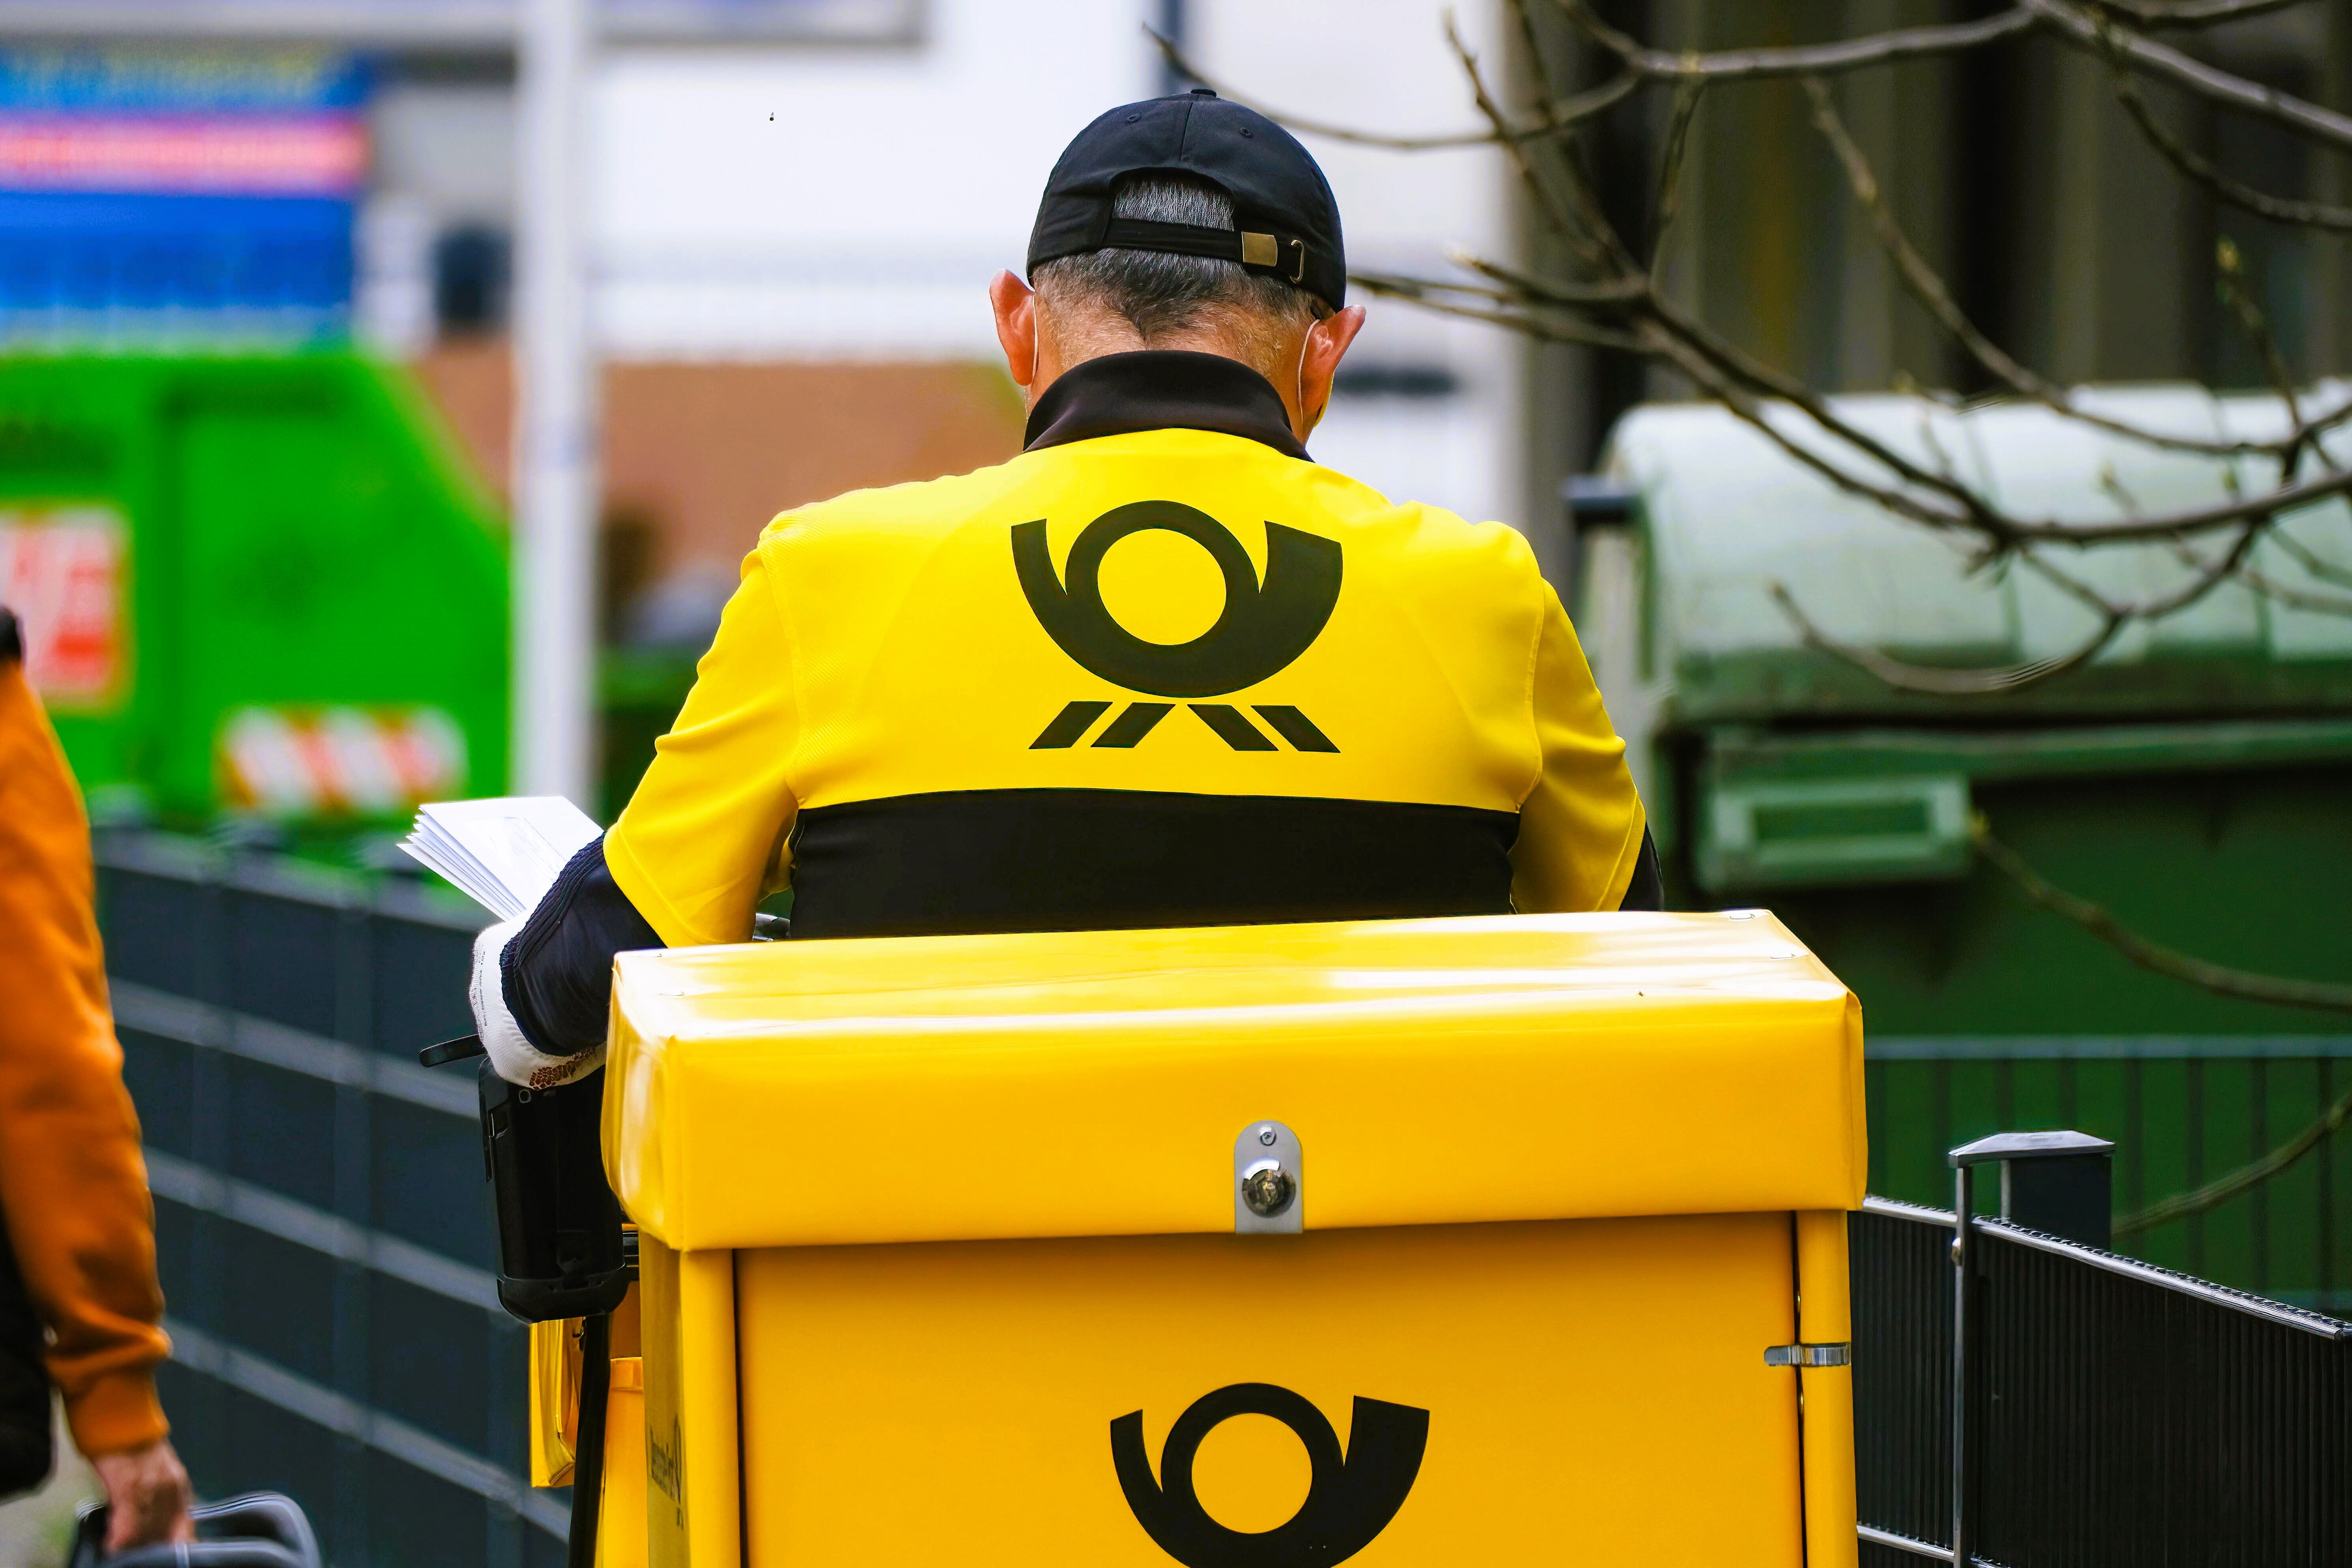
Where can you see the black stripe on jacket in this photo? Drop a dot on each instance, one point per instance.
(1051, 859)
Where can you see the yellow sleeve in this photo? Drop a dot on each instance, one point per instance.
(703, 838)
(1580, 825)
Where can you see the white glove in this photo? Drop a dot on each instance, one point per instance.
(512, 1057)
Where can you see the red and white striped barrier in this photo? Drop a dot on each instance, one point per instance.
(339, 761)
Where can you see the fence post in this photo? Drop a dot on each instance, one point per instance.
(2058, 1183)
(1963, 1265)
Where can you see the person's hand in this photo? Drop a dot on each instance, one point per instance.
(147, 1497)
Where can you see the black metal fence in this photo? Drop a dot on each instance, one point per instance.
(2117, 1413)
(324, 1230)
(322, 1222)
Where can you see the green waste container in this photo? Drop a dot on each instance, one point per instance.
(250, 583)
(2193, 778)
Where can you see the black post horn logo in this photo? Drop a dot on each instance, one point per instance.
(1349, 1501)
(1261, 630)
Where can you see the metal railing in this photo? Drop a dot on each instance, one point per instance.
(321, 1225)
(2183, 1110)
(2105, 1410)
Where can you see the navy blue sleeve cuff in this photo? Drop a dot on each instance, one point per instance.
(557, 972)
(1648, 889)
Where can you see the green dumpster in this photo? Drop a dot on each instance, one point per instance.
(259, 584)
(2194, 778)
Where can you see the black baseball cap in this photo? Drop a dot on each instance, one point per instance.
(1288, 223)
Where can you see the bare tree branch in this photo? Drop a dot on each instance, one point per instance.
(2220, 979)
(1546, 202)
(2324, 570)
(2244, 1179)
(2085, 30)
(1929, 288)
(2271, 588)
(1611, 251)
(1970, 510)
(2193, 12)
(1933, 680)
(1742, 403)
(1548, 328)
(1559, 116)
(2231, 280)
(2201, 169)
(1623, 290)
(2195, 520)
(1752, 64)
(1670, 169)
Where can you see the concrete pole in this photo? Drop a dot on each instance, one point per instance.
(555, 423)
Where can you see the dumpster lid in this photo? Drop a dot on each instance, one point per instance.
(1093, 1083)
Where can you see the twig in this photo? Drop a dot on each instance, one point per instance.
(2244, 1179)
(2193, 12)
(2293, 598)
(2082, 29)
(2194, 519)
(1559, 116)
(1550, 330)
(2318, 566)
(1669, 168)
(1929, 288)
(2270, 587)
(1744, 406)
(1933, 680)
(1620, 291)
(2230, 277)
(1739, 382)
(2218, 979)
(1971, 510)
(1535, 60)
(2206, 172)
(1546, 203)
(1850, 54)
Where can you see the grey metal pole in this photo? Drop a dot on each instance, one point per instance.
(554, 453)
(1963, 1264)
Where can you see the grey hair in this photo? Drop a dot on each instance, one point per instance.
(1159, 292)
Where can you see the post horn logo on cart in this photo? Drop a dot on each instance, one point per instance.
(1349, 1500)
(1263, 627)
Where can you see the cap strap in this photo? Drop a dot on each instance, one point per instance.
(1249, 247)
(1177, 238)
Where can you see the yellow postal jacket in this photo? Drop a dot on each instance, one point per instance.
(1151, 677)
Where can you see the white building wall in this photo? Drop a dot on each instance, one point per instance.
(832, 203)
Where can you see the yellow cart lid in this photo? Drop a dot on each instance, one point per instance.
(1093, 1083)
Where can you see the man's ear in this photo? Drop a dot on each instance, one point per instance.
(1326, 344)
(1016, 325)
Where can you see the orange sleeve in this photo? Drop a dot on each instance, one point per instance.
(72, 1182)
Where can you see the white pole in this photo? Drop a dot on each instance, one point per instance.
(555, 422)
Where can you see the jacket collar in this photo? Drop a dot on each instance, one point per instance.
(1160, 389)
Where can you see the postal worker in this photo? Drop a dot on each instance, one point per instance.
(1161, 668)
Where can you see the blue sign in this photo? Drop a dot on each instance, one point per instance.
(149, 193)
(282, 264)
(154, 80)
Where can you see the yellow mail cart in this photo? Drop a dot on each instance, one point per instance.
(1409, 1243)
